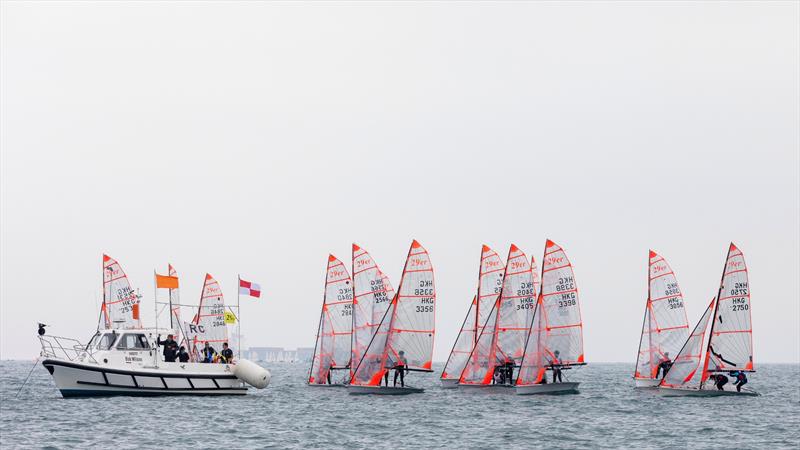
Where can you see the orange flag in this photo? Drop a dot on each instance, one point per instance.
(166, 282)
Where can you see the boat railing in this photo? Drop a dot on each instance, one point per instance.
(64, 348)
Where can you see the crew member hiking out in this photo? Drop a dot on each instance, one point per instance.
(664, 364)
(226, 356)
(400, 368)
(170, 347)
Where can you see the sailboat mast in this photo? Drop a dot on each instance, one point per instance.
(477, 303)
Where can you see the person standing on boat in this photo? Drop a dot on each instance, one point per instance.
(226, 357)
(208, 353)
(170, 347)
(741, 379)
(555, 366)
(399, 368)
(183, 356)
(664, 364)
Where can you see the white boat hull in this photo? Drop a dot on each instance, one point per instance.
(493, 388)
(713, 392)
(327, 385)
(383, 390)
(549, 388)
(79, 379)
(645, 383)
(449, 383)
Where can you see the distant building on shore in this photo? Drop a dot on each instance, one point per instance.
(279, 354)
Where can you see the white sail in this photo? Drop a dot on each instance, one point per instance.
(561, 307)
(332, 349)
(120, 301)
(730, 344)
(684, 370)
(490, 283)
(372, 295)
(410, 332)
(665, 327)
(503, 336)
(210, 319)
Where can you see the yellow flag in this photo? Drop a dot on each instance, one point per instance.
(229, 318)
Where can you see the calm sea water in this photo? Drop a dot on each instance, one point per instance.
(606, 413)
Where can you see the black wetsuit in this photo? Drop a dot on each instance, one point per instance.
(556, 367)
(399, 369)
(720, 381)
(509, 372)
(208, 354)
(183, 357)
(663, 368)
(170, 349)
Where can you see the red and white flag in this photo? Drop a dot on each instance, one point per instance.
(248, 288)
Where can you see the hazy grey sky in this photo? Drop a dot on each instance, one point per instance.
(256, 138)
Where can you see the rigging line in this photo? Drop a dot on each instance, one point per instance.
(29, 375)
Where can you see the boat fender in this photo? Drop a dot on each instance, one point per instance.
(251, 373)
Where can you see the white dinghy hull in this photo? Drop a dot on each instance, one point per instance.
(493, 388)
(77, 379)
(382, 390)
(449, 383)
(647, 383)
(688, 392)
(549, 388)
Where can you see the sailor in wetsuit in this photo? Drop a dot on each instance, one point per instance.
(664, 365)
(555, 366)
(719, 380)
(400, 368)
(182, 355)
(741, 379)
(509, 371)
(170, 347)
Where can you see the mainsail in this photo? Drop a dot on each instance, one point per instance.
(490, 283)
(120, 301)
(556, 335)
(503, 336)
(561, 308)
(372, 295)
(684, 367)
(209, 324)
(332, 350)
(665, 327)
(730, 345)
(407, 330)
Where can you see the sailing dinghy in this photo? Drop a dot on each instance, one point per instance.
(404, 334)
(372, 294)
(490, 283)
(665, 327)
(124, 358)
(500, 347)
(730, 339)
(332, 349)
(555, 341)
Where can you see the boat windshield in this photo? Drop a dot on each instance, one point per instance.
(106, 341)
(132, 342)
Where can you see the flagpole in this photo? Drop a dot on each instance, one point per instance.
(155, 309)
(238, 318)
(171, 325)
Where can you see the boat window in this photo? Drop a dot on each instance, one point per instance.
(106, 341)
(93, 341)
(132, 342)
